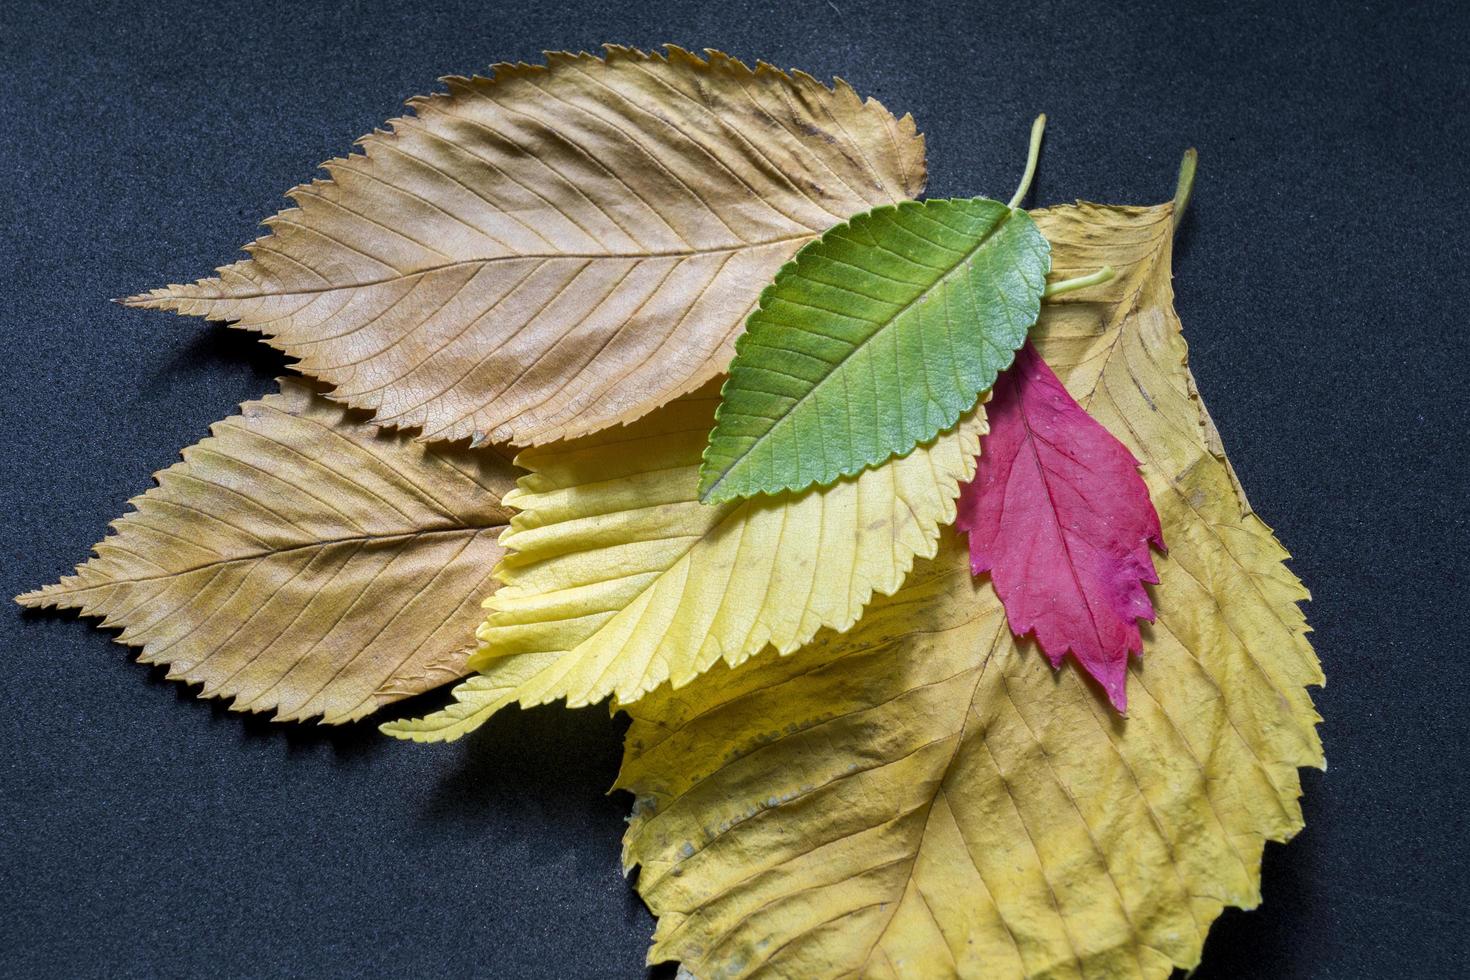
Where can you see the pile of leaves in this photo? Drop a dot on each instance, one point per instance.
(815, 479)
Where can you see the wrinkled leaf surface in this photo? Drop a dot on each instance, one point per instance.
(923, 796)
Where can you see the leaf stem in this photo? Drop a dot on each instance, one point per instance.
(1185, 187)
(1080, 282)
(1032, 153)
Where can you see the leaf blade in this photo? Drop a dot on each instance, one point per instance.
(876, 337)
(1060, 518)
(557, 248)
(301, 561)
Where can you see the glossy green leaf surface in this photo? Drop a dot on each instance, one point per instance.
(874, 339)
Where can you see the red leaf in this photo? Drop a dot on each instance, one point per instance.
(1059, 516)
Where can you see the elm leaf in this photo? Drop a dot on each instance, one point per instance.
(302, 560)
(877, 337)
(556, 249)
(921, 796)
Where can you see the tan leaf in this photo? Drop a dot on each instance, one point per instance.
(557, 249)
(302, 560)
(925, 797)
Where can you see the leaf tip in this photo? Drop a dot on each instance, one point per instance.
(712, 490)
(394, 730)
(415, 730)
(1118, 696)
(1185, 185)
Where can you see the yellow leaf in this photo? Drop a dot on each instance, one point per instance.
(619, 579)
(301, 560)
(559, 248)
(925, 797)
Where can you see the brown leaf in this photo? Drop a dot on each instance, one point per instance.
(302, 560)
(557, 249)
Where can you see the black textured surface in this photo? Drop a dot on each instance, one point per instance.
(1321, 280)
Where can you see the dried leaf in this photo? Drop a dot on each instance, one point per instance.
(618, 579)
(302, 560)
(557, 249)
(923, 797)
(875, 339)
(1060, 518)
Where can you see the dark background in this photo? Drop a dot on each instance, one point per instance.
(1322, 281)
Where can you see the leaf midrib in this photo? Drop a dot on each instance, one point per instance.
(1042, 474)
(262, 554)
(492, 259)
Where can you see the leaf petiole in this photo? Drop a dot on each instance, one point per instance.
(1032, 153)
(1079, 282)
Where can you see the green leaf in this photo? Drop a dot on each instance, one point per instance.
(874, 339)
